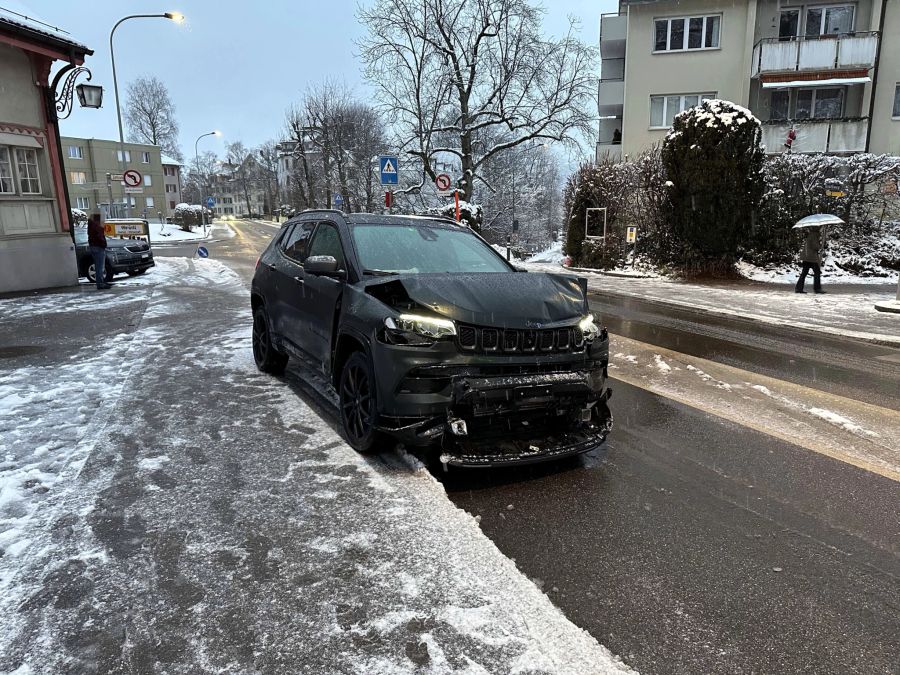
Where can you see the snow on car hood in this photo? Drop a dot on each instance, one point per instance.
(504, 300)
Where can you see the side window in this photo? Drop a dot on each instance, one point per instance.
(295, 243)
(328, 242)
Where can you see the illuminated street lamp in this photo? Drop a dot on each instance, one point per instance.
(177, 17)
(215, 132)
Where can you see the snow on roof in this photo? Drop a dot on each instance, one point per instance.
(168, 160)
(17, 14)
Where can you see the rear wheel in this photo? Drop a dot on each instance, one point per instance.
(357, 400)
(268, 359)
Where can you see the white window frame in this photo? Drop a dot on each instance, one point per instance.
(145, 157)
(812, 111)
(75, 175)
(119, 156)
(704, 96)
(149, 202)
(76, 152)
(82, 203)
(687, 20)
(148, 180)
(805, 9)
(37, 169)
(11, 176)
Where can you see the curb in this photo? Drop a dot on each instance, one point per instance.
(892, 307)
(870, 338)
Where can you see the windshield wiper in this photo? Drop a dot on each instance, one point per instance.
(379, 273)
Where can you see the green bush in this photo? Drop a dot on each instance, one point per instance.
(714, 161)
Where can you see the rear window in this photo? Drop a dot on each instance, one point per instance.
(423, 249)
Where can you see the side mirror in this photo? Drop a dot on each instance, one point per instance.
(321, 264)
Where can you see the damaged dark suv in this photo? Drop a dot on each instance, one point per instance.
(430, 337)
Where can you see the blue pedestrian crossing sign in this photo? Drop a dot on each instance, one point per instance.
(210, 202)
(338, 198)
(388, 166)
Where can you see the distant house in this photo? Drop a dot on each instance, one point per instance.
(36, 248)
(172, 183)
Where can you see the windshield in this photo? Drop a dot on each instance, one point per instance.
(423, 249)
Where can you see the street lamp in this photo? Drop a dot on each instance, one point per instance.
(177, 17)
(215, 132)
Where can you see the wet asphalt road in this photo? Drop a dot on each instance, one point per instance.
(700, 546)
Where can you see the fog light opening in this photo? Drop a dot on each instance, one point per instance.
(458, 427)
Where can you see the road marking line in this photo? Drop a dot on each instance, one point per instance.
(769, 406)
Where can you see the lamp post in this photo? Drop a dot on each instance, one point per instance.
(173, 16)
(215, 132)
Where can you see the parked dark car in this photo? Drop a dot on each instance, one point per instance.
(429, 336)
(134, 256)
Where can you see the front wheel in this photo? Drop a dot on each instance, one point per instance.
(357, 400)
(268, 359)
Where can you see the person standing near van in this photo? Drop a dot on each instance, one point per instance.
(97, 244)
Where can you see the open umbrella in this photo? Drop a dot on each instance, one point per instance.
(817, 220)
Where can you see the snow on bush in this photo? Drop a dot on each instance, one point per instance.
(79, 218)
(188, 215)
(469, 213)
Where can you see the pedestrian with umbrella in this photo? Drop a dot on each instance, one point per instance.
(811, 255)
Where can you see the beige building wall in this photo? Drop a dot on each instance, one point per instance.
(34, 250)
(724, 71)
(885, 131)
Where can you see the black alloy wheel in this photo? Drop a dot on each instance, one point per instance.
(357, 400)
(268, 359)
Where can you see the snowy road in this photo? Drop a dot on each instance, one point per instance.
(182, 513)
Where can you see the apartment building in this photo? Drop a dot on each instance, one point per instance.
(87, 161)
(829, 71)
(171, 183)
(230, 196)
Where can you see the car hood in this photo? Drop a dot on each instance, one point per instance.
(502, 300)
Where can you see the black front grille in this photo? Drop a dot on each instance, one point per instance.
(137, 248)
(517, 341)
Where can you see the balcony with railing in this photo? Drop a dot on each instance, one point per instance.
(611, 90)
(833, 136)
(850, 51)
(609, 139)
(613, 31)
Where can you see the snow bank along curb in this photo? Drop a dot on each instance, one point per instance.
(354, 564)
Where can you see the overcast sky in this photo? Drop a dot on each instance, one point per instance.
(233, 66)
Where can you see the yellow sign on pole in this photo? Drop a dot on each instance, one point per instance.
(631, 235)
(835, 193)
(128, 228)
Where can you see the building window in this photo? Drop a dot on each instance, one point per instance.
(145, 157)
(150, 202)
(664, 108)
(78, 177)
(82, 203)
(819, 103)
(897, 101)
(829, 20)
(27, 168)
(148, 180)
(7, 186)
(132, 201)
(171, 204)
(686, 33)
(76, 152)
(127, 155)
(780, 107)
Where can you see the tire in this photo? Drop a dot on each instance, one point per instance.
(91, 273)
(268, 359)
(108, 273)
(357, 392)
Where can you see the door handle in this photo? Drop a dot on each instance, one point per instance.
(299, 280)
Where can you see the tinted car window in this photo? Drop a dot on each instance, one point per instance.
(328, 242)
(296, 242)
(423, 249)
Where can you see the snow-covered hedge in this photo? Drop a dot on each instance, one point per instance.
(188, 215)
(469, 213)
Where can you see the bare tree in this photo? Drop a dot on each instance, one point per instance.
(455, 72)
(267, 162)
(244, 167)
(150, 115)
(199, 177)
(335, 141)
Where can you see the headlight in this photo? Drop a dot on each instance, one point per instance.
(414, 329)
(589, 329)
